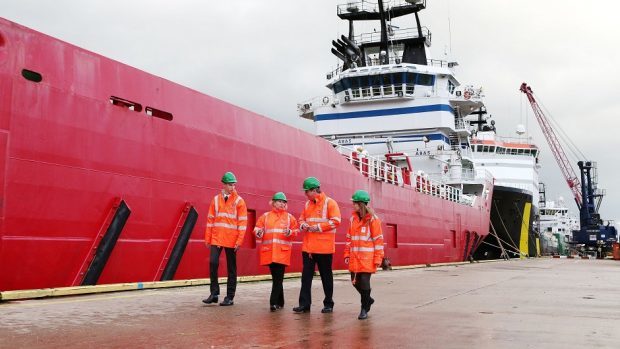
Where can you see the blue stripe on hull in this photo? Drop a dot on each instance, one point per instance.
(385, 112)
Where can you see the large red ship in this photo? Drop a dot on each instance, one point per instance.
(107, 171)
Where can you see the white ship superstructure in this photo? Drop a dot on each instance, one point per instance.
(390, 100)
(556, 226)
(513, 161)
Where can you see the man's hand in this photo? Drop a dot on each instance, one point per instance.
(287, 232)
(236, 247)
(346, 260)
(304, 227)
(314, 229)
(259, 233)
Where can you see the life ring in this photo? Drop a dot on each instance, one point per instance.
(467, 95)
(325, 100)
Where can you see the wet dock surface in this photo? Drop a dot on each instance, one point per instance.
(537, 303)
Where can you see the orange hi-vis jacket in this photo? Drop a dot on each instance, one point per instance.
(324, 213)
(364, 245)
(275, 246)
(227, 221)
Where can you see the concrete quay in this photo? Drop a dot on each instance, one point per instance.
(533, 303)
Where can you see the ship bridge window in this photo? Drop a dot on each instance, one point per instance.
(355, 86)
(410, 83)
(338, 87)
(534, 153)
(491, 149)
(388, 88)
(485, 149)
(501, 150)
(397, 78)
(425, 80)
(520, 152)
(365, 85)
(451, 87)
(376, 85)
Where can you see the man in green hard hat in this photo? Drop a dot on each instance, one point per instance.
(318, 222)
(226, 225)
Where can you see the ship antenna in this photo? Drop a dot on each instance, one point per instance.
(351, 30)
(384, 40)
(449, 31)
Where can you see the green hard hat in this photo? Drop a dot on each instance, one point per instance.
(279, 196)
(228, 178)
(361, 196)
(311, 183)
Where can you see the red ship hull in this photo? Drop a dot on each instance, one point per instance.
(68, 155)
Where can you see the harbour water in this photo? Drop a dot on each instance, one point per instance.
(531, 303)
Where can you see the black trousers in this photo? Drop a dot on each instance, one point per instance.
(277, 291)
(324, 262)
(361, 282)
(231, 265)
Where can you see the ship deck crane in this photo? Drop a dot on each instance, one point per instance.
(593, 233)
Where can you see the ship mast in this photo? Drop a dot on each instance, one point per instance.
(357, 52)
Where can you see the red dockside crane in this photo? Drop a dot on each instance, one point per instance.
(593, 234)
(558, 152)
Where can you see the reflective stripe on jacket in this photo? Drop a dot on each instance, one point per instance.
(364, 245)
(226, 221)
(275, 247)
(324, 213)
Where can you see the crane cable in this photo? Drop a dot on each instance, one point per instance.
(572, 147)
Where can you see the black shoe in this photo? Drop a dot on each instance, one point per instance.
(273, 307)
(370, 302)
(363, 314)
(211, 299)
(301, 309)
(327, 310)
(227, 301)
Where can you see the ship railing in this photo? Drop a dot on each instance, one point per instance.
(357, 6)
(372, 6)
(393, 34)
(393, 60)
(371, 62)
(382, 171)
(513, 140)
(306, 108)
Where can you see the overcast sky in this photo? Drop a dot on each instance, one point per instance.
(268, 55)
